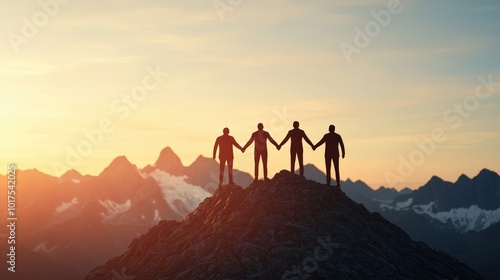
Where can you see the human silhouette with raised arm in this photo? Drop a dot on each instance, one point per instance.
(260, 138)
(296, 149)
(226, 143)
(332, 141)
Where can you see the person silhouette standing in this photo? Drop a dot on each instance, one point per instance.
(260, 138)
(296, 149)
(226, 143)
(332, 141)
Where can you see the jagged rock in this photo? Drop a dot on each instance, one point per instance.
(287, 228)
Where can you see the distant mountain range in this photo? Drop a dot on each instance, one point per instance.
(466, 205)
(358, 191)
(460, 218)
(78, 222)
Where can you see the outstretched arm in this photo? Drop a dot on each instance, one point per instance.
(237, 145)
(248, 143)
(321, 142)
(342, 147)
(216, 145)
(286, 139)
(308, 141)
(272, 140)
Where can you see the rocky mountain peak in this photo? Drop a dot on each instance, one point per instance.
(284, 228)
(168, 161)
(119, 164)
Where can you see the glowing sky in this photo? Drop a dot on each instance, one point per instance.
(259, 61)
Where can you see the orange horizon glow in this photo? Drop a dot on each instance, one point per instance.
(132, 78)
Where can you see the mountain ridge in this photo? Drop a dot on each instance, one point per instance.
(130, 201)
(265, 230)
(118, 205)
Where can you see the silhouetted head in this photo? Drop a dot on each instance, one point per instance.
(332, 128)
(226, 131)
(260, 126)
(296, 124)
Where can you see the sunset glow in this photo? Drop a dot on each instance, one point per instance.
(419, 97)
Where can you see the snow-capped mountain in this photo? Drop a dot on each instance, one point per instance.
(180, 195)
(80, 221)
(467, 205)
(202, 172)
(461, 218)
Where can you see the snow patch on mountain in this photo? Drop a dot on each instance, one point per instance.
(399, 205)
(405, 204)
(157, 216)
(175, 189)
(114, 209)
(463, 219)
(66, 205)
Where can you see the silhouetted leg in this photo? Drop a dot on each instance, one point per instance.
(328, 163)
(300, 155)
(230, 170)
(337, 170)
(264, 163)
(222, 162)
(292, 161)
(256, 159)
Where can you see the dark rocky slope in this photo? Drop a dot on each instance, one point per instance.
(287, 228)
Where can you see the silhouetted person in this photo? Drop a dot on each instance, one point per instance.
(226, 142)
(296, 149)
(332, 141)
(260, 138)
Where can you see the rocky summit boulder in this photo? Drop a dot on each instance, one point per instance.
(286, 228)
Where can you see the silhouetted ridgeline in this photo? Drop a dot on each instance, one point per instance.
(285, 228)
